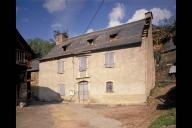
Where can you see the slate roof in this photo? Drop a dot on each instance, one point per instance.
(24, 43)
(34, 65)
(127, 34)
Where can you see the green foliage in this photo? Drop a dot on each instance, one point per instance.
(167, 118)
(40, 47)
(163, 32)
(167, 23)
(162, 84)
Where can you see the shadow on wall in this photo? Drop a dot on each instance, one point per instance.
(45, 95)
(169, 100)
(34, 92)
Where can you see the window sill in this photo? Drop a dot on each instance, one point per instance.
(83, 71)
(109, 94)
(60, 73)
(83, 77)
(109, 66)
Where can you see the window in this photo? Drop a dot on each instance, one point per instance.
(109, 59)
(82, 63)
(21, 56)
(62, 89)
(90, 41)
(113, 36)
(83, 90)
(60, 66)
(64, 48)
(109, 87)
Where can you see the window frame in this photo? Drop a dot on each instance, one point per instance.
(82, 69)
(64, 48)
(91, 41)
(60, 64)
(113, 37)
(107, 60)
(109, 87)
(63, 93)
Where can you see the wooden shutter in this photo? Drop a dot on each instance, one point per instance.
(106, 59)
(62, 89)
(109, 59)
(60, 66)
(82, 64)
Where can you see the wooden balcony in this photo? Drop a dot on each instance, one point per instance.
(22, 58)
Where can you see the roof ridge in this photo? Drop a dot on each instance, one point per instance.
(85, 34)
(130, 34)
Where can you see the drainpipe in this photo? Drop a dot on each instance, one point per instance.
(73, 63)
(145, 67)
(148, 17)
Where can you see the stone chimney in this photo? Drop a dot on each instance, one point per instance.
(60, 37)
(148, 24)
(148, 15)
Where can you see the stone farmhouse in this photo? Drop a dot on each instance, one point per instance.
(110, 66)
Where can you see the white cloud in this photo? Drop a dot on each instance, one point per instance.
(139, 14)
(56, 26)
(116, 15)
(54, 5)
(89, 30)
(158, 15)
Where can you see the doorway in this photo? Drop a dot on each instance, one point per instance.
(83, 91)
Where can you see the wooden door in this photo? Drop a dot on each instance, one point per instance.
(83, 91)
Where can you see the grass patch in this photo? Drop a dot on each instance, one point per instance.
(162, 85)
(155, 90)
(167, 118)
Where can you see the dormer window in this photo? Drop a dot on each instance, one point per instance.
(113, 37)
(64, 48)
(90, 41)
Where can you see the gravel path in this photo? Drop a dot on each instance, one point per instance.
(63, 116)
(95, 120)
(90, 116)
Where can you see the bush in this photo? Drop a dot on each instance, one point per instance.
(162, 84)
(167, 118)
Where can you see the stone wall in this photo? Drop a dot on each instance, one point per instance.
(127, 75)
(34, 84)
(133, 76)
(162, 71)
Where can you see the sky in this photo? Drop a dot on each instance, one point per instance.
(39, 18)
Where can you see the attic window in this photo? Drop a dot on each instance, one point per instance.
(64, 48)
(90, 41)
(113, 36)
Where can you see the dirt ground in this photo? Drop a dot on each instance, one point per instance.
(89, 116)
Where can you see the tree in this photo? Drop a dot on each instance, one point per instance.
(40, 47)
(167, 23)
(163, 32)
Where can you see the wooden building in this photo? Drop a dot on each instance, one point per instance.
(24, 54)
